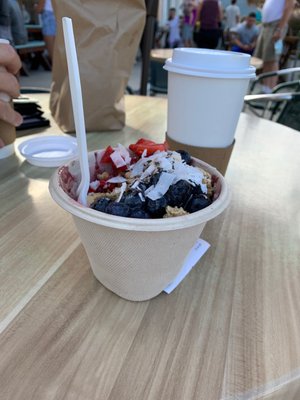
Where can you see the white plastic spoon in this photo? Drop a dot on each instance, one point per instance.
(77, 106)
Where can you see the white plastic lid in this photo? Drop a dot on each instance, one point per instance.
(49, 151)
(210, 63)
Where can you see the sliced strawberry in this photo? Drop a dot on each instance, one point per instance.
(122, 169)
(106, 156)
(148, 145)
(102, 182)
(111, 186)
(145, 141)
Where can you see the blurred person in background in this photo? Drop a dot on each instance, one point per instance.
(26, 15)
(189, 10)
(232, 15)
(275, 17)
(231, 19)
(173, 27)
(44, 7)
(17, 23)
(245, 35)
(12, 26)
(5, 30)
(209, 15)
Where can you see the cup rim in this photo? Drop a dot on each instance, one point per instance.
(209, 73)
(208, 63)
(136, 224)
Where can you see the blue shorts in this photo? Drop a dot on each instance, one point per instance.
(49, 23)
(187, 32)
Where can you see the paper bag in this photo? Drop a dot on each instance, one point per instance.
(107, 35)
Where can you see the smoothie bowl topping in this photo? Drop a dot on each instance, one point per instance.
(144, 181)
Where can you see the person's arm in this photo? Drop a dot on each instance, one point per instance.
(238, 17)
(287, 11)
(10, 64)
(200, 5)
(253, 44)
(220, 12)
(235, 40)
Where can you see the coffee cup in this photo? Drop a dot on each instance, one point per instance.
(206, 91)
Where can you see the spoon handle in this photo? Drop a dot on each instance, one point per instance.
(76, 96)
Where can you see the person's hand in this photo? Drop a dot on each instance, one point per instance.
(10, 64)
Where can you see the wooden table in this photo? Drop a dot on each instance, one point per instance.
(230, 330)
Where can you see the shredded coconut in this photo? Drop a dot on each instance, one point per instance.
(165, 181)
(117, 179)
(117, 159)
(122, 190)
(94, 185)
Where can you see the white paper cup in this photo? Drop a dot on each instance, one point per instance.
(137, 258)
(206, 91)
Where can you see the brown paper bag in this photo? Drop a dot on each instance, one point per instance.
(107, 35)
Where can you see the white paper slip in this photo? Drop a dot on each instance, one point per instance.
(200, 248)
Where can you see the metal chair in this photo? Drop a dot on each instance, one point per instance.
(158, 78)
(287, 106)
(257, 103)
(147, 42)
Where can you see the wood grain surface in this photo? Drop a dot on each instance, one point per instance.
(230, 331)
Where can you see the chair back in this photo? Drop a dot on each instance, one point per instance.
(290, 115)
(147, 42)
(270, 109)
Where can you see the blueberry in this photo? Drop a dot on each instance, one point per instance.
(132, 200)
(178, 194)
(139, 213)
(186, 157)
(197, 190)
(100, 204)
(157, 207)
(119, 209)
(198, 203)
